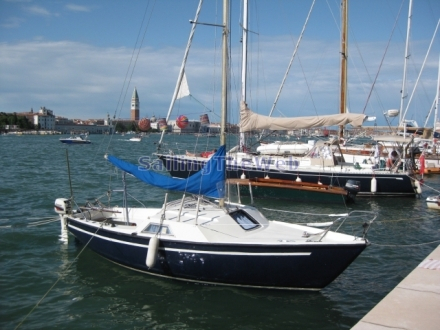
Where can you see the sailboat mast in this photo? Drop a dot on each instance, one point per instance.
(244, 63)
(407, 55)
(437, 97)
(344, 56)
(182, 69)
(225, 68)
(244, 51)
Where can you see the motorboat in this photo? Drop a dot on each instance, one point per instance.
(136, 138)
(77, 139)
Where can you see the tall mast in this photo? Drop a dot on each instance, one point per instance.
(407, 55)
(344, 56)
(182, 69)
(244, 63)
(225, 68)
(437, 96)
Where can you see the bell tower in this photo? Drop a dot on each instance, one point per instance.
(134, 112)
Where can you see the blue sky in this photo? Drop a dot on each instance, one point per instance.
(73, 57)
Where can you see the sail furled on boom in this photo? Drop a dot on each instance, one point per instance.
(251, 121)
(209, 181)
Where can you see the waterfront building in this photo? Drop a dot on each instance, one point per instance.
(45, 119)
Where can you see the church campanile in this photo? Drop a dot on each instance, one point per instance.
(134, 113)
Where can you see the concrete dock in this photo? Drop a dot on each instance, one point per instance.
(413, 304)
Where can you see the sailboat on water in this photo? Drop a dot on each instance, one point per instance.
(324, 163)
(205, 238)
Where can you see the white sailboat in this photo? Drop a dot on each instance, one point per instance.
(205, 238)
(329, 167)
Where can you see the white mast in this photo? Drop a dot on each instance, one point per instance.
(421, 70)
(225, 68)
(437, 96)
(244, 64)
(407, 55)
(182, 69)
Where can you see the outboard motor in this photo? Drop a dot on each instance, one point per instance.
(353, 187)
(63, 206)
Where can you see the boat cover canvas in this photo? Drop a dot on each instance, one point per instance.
(251, 121)
(209, 181)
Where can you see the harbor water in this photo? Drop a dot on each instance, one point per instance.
(46, 284)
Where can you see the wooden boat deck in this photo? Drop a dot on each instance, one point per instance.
(289, 184)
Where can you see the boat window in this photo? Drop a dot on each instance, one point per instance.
(152, 228)
(267, 161)
(244, 220)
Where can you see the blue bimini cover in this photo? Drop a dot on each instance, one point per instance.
(209, 181)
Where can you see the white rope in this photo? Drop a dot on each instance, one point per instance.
(317, 214)
(408, 245)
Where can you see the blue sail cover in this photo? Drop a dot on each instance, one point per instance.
(208, 181)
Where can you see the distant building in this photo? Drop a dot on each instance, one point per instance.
(134, 113)
(193, 127)
(78, 126)
(72, 128)
(45, 119)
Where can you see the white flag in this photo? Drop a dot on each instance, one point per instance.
(184, 89)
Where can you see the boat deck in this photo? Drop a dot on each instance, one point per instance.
(286, 184)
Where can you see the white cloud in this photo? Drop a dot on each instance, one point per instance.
(73, 7)
(12, 22)
(39, 11)
(83, 81)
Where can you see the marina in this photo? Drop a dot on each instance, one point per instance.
(249, 218)
(74, 287)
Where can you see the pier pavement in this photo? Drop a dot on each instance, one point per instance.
(413, 304)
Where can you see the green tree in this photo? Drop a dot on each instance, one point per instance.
(134, 127)
(120, 127)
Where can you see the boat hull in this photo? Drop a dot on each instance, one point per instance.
(74, 142)
(387, 184)
(433, 202)
(307, 266)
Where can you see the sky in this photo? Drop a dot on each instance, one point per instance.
(83, 58)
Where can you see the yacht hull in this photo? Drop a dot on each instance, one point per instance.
(301, 266)
(387, 184)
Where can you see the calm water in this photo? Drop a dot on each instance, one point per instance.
(46, 284)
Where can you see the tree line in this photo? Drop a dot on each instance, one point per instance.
(13, 119)
(123, 127)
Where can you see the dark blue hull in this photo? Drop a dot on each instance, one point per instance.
(74, 142)
(311, 266)
(388, 184)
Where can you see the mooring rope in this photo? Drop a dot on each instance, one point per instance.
(406, 245)
(60, 277)
(44, 221)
